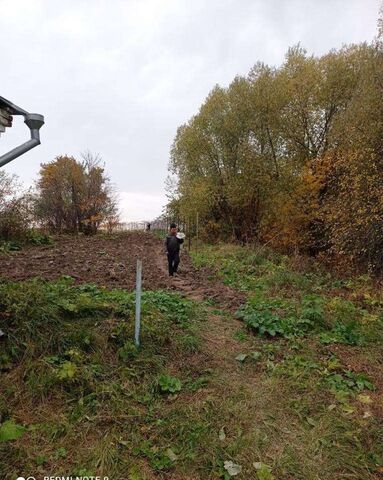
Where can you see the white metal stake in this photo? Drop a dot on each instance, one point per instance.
(137, 326)
(196, 243)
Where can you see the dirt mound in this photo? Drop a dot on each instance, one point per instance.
(110, 260)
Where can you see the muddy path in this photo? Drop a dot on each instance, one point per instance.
(110, 261)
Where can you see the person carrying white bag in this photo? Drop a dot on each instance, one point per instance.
(172, 248)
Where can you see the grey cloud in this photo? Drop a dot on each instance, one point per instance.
(118, 77)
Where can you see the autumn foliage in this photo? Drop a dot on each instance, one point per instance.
(291, 156)
(74, 196)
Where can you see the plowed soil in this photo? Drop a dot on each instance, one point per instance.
(110, 261)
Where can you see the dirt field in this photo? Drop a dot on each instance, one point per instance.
(110, 260)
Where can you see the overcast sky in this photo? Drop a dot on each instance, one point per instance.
(118, 77)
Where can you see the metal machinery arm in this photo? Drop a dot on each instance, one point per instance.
(34, 121)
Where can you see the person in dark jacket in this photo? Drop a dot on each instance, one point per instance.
(172, 248)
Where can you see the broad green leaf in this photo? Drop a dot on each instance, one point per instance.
(9, 430)
(170, 384)
(256, 355)
(67, 370)
(263, 471)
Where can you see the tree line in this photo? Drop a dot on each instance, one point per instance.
(290, 155)
(70, 196)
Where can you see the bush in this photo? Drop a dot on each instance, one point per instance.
(282, 317)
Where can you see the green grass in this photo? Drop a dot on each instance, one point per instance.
(289, 392)
(289, 302)
(249, 270)
(86, 398)
(318, 416)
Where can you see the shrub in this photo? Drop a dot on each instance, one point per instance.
(282, 316)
